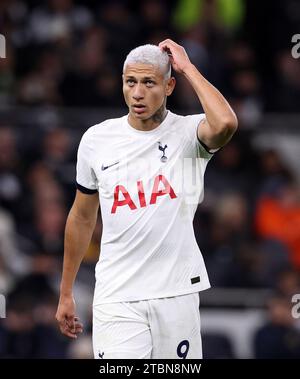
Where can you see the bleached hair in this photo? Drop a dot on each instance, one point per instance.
(150, 54)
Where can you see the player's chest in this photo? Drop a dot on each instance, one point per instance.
(129, 160)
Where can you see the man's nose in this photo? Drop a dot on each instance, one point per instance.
(138, 93)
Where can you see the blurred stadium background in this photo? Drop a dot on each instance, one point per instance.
(62, 74)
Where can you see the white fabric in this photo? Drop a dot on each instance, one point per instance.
(148, 329)
(148, 248)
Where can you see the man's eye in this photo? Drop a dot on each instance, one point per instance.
(149, 82)
(130, 82)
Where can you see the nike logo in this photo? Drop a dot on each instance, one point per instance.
(106, 167)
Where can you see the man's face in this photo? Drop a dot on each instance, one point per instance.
(145, 89)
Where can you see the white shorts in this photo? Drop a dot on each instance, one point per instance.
(167, 328)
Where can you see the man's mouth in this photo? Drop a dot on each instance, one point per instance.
(139, 108)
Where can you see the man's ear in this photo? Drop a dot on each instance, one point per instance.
(170, 85)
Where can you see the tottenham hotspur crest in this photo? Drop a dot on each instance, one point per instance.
(163, 158)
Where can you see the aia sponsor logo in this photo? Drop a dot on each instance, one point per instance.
(123, 198)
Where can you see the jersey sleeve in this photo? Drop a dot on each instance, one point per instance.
(86, 181)
(192, 122)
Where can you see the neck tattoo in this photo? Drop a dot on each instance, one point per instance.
(160, 115)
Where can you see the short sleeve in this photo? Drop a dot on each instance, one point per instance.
(86, 181)
(192, 122)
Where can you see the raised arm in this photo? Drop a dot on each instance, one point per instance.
(220, 122)
(80, 225)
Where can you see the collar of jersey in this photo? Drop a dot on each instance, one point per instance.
(153, 131)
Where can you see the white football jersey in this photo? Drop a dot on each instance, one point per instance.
(150, 184)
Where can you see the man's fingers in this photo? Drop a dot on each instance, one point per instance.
(168, 45)
(70, 320)
(70, 331)
(78, 325)
(77, 330)
(74, 323)
(165, 47)
(167, 42)
(68, 334)
(70, 325)
(64, 328)
(169, 49)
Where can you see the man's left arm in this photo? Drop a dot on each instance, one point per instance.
(221, 122)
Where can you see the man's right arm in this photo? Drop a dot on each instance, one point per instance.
(80, 225)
